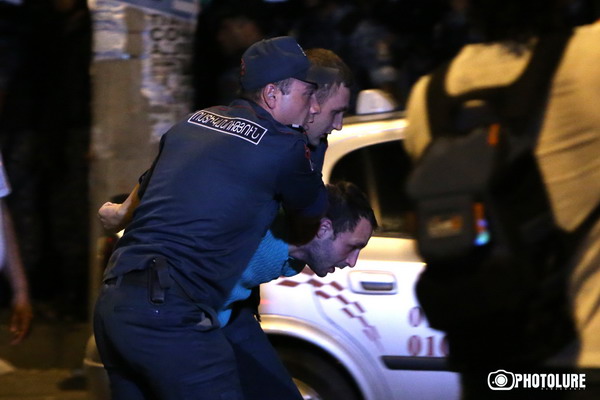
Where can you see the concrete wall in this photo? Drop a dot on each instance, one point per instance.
(139, 89)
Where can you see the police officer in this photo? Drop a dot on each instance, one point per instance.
(200, 212)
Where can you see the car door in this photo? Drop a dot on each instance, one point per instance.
(375, 301)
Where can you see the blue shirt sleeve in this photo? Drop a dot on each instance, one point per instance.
(270, 261)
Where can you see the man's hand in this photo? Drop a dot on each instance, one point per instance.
(112, 216)
(21, 316)
(20, 321)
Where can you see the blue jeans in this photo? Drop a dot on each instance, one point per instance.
(167, 351)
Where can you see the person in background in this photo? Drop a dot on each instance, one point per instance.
(46, 157)
(12, 267)
(235, 33)
(11, 264)
(567, 151)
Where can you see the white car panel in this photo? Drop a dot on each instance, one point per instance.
(361, 132)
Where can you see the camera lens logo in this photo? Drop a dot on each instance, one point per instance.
(501, 380)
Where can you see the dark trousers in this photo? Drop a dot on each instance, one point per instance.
(165, 351)
(261, 372)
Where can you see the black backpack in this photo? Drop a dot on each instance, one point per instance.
(496, 274)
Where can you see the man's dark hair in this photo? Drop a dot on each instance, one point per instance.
(516, 20)
(347, 205)
(328, 59)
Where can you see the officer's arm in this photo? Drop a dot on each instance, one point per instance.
(114, 216)
(303, 194)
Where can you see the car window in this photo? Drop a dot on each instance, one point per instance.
(380, 170)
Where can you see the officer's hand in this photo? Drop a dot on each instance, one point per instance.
(113, 216)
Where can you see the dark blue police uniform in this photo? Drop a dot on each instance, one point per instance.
(214, 190)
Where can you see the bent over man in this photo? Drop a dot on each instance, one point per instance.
(343, 232)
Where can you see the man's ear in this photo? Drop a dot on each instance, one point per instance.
(325, 230)
(269, 95)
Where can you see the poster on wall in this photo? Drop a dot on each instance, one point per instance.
(158, 34)
(185, 9)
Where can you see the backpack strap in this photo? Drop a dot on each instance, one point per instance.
(514, 103)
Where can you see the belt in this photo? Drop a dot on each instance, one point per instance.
(156, 278)
(137, 277)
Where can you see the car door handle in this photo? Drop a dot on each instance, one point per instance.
(372, 282)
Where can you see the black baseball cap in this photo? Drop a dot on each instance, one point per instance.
(276, 59)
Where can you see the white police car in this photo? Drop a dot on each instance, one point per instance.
(357, 334)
